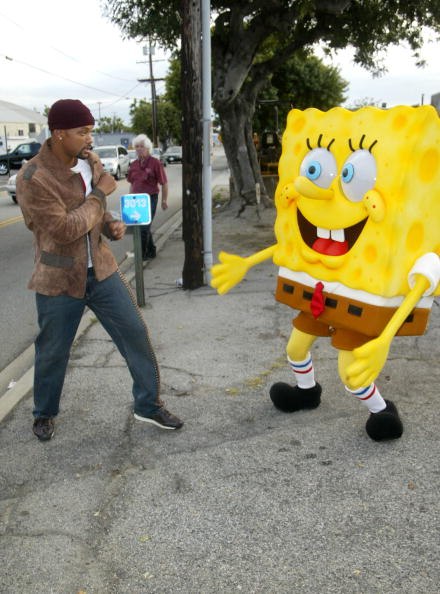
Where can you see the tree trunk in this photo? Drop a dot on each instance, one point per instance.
(192, 205)
(240, 150)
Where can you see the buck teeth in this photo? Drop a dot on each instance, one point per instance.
(338, 235)
(323, 233)
(335, 234)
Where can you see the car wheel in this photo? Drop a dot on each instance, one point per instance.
(118, 174)
(14, 198)
(4, 168)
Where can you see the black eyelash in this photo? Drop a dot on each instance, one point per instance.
(310, 147)
(350, 144)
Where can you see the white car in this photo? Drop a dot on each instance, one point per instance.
(114, 159)
(173, 154)
(132, 155)
(157, 153)
(11, 187)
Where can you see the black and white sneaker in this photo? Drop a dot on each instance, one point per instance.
(43, 428)
(162, 418)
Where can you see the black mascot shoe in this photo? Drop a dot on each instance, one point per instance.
(385, 424)
(291, 398)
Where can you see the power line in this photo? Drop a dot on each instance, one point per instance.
(11, 59)
(64, 53)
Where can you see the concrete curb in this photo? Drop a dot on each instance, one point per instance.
(20, 389)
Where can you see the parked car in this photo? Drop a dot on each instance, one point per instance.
(11, 187)
(157, 152)
(14, 159)
(132, 155)
(114, 159)
(173, 154)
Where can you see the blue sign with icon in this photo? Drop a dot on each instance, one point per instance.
(136, 209)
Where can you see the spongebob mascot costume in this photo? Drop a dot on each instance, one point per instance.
(358, 245)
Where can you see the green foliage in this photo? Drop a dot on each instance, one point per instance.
(168, 120)
(107, 125)
(365, 102)
(252, 40)
(368, 25)
(173, 85)
(169, 110)
(302, 81)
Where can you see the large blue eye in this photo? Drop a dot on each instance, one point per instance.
(319, 166)
(347, 173)
(358, 175)
(313, 170)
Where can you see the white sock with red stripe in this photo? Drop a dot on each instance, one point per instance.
(304, 372)
(370, 396)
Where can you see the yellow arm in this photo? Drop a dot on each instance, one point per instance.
(232, 268)
(371, 356)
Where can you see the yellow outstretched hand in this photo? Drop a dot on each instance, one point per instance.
(232, 269)
(229, 273)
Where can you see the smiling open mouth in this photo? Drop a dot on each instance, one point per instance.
(331, 242)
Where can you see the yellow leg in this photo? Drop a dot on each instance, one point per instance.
(299, 345)
(345, 358)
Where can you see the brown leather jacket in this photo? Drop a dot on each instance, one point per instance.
(52, 200)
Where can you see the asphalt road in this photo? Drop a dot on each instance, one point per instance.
(17, 312)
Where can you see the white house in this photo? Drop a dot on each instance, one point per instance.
(19, 124)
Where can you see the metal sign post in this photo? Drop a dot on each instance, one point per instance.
(135, 212)
(138, 266)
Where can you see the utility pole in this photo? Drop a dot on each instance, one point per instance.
(192, 206)
(149, 50)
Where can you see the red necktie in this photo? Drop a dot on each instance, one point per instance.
(317, 303)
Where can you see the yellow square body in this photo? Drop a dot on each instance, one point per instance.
(358, 198)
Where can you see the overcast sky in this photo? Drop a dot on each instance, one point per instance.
(60, 49)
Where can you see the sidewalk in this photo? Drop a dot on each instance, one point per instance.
(242, 499)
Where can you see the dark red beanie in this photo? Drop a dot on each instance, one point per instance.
(69, 113)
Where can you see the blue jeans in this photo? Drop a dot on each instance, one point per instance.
(148, 247)
(114, 305)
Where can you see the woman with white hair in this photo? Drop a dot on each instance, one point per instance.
(145, 175)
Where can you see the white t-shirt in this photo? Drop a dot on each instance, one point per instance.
(83, 168)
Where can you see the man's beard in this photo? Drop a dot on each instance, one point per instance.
(81, 156)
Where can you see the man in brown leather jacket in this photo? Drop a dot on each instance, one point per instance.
(62, 193)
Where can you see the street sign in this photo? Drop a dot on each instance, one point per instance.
(136, 209)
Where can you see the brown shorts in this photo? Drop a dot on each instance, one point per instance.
(341, 338)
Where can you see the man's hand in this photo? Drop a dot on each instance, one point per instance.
(164, 204)
(106, 183)
(117, 229)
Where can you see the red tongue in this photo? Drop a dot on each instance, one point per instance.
(329, 247)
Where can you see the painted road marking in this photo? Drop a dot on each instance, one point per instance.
(11, 221)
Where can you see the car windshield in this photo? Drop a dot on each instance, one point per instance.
(174, 149)
(106, 153)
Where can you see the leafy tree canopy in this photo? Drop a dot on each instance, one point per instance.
(367, 25)
(168, 120)
(108, 125)
(251, 38)
(301, 81)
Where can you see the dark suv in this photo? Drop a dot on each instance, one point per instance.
(14, 159)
